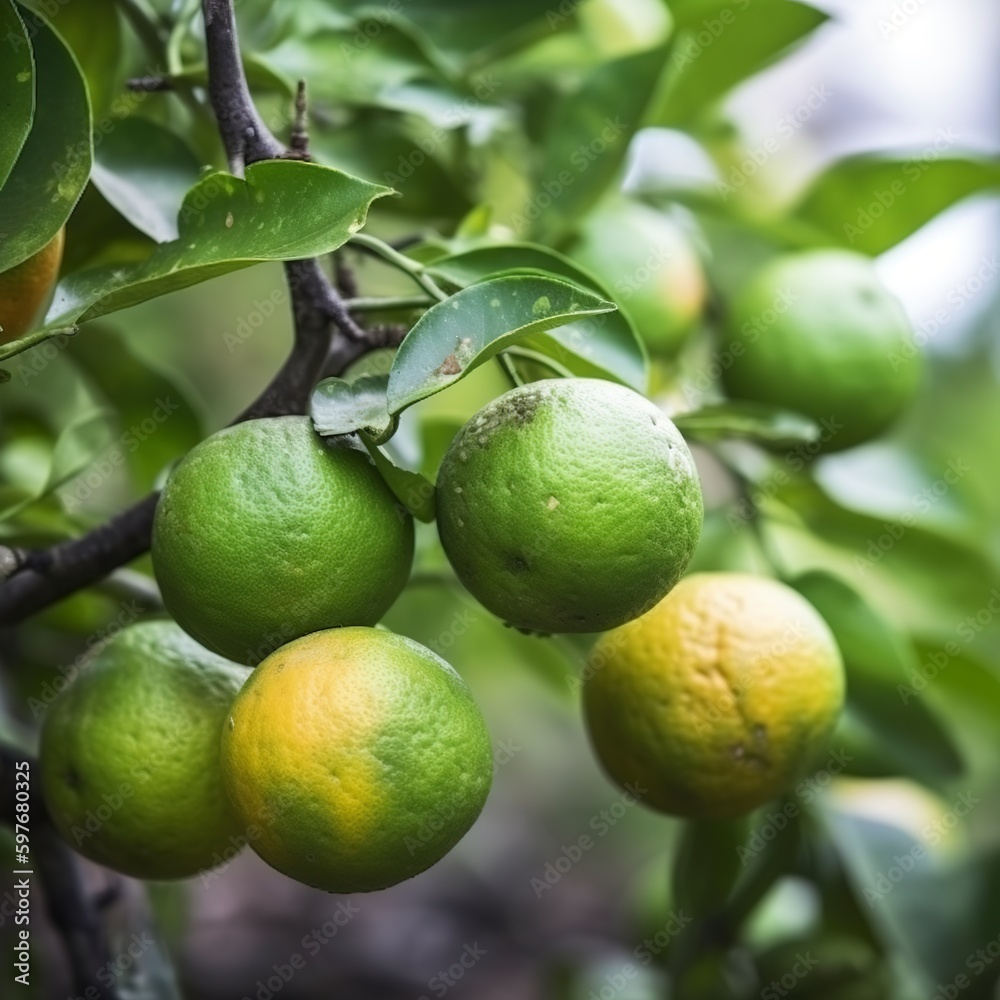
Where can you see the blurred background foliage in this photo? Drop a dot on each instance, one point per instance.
(748, 127)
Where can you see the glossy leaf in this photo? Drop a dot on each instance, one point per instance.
(283, 210)
(456, 336)
(758, 422)
(880, 671)
(92, 30)
(871, 203)
(721, 44)
(17, 89)
(340, 406)
(605, 346)
(54, 164)
(144, 170)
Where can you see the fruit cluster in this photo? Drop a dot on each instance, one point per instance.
(351, 758)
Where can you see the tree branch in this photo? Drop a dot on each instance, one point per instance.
(327, 340)
(243, 132)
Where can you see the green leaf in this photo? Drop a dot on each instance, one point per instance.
(880, 668)
(605, 346)
(759, 422)
(920, 912)
(411, 489)
(340, 406)
(721, 44)
(283, 210)
(144, 171)
(17, 88)
(871, 203)
(456, 336)
(54, 164)
(92, 30)
(592, 128)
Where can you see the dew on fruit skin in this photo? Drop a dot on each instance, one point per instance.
(232, 723)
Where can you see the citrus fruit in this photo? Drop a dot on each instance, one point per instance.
(651, 268)
(718, 699)
(24, 288)
(357, 757)
(818, 333)
(569, 505)
(130, 754)
(264, 532)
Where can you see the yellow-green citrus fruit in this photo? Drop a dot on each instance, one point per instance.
(24, 288)
(569, 505)
(818, 333)
(264, 533)
(718, 699)
(130, 755)
(651, 268)
(357, 757)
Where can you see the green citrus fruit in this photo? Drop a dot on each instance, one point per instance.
(24, 288)
(130, 754)
(265, 533)
(569, 505)
(817, 332)
(651, 268)
(718, 699)
(358, 758)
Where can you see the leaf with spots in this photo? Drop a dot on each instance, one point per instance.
(54, 162)
(606, 346)
(283, 210)
(343, 406)
(456, 336)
